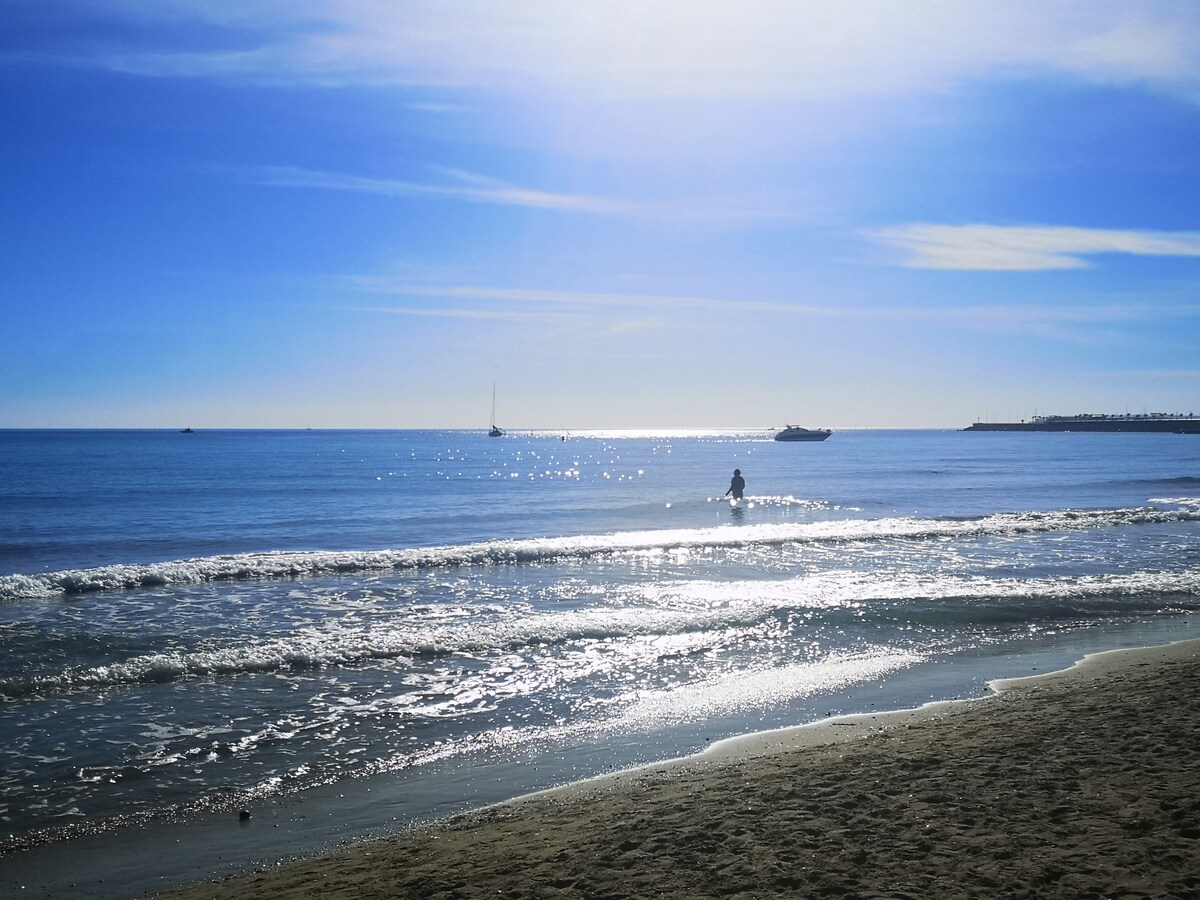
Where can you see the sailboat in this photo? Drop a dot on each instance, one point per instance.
(494, 431)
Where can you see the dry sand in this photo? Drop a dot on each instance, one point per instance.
(1080, 784)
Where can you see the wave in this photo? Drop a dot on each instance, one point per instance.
(860, 589)
(307, 564)
(1178, 481)
(701, 608)
(776, 686)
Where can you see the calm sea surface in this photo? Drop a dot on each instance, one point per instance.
(192, 624)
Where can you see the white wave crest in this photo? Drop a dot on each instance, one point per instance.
(306, 564)
(635, 611)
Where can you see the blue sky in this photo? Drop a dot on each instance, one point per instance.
(625, 214)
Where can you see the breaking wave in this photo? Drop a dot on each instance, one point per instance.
(698, 607)
(307, 564)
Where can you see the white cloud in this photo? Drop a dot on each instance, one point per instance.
(1096, 322)
(1025, 248)
(587, 299)
(704, 49)
(469, 187)
(504, 315)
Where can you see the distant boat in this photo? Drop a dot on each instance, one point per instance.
(494, 431)
(796, 433)
(187, 431)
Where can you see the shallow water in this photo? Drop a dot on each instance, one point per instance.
(205, 621)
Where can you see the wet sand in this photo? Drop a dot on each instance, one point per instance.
(1084, 783)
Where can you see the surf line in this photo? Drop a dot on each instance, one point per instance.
(314, 563)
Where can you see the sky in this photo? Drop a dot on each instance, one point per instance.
(622, 214)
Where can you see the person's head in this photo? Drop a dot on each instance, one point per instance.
(737, 471)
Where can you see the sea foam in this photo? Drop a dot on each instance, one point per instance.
(306, 564)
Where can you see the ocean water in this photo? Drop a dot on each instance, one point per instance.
(192, 624)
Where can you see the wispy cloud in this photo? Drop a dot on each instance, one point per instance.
(569, 311)
(503, 315)
(701, 48)
(474, 188)
(593, 300)
(1025, 248)
(1072, 323)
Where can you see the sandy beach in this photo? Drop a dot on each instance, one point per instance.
(1084, 783)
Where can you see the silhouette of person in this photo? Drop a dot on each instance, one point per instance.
(737, 484)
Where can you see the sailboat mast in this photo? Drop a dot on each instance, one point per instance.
(494, 431)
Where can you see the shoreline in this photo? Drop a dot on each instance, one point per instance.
(1070, 783)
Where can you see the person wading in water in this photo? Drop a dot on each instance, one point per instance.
(737, 485)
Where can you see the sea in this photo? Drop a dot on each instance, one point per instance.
(230, 647)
